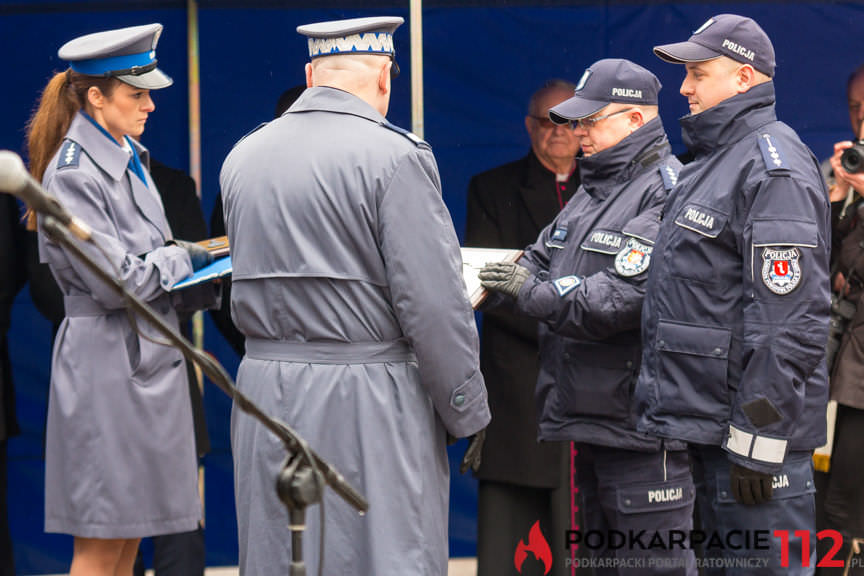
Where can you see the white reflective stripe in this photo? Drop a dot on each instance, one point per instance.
(739, 441)
(769, 449)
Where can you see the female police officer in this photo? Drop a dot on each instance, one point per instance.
(120, 461)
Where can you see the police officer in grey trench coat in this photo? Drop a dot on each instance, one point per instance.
(735, 320)
(120, 451)
(347, 285)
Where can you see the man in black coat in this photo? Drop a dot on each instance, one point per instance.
(521, 481)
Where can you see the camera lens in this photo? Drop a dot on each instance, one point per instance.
(853, 158)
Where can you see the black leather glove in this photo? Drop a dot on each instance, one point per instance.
(750, 487)
(505, 277)
(473, 453)
(199, 255)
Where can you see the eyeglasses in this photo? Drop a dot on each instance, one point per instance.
(592, 121)
(545, 122)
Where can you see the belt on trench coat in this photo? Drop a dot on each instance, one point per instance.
(365, 352)
(80, 306)
(77, 306)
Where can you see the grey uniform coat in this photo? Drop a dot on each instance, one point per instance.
(120, 451)
(347, 285)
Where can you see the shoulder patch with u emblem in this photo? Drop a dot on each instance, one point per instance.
(634, 258)
(70, 154)
(781, 271)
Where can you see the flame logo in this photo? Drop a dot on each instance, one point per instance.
(538, 545)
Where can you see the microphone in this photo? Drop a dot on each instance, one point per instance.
(15, 180)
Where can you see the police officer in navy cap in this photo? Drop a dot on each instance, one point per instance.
(347, 284)
(120, 458)
(584, 279)
(736, 312)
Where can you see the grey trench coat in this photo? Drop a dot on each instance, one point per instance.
(347, 285)
(120, 452)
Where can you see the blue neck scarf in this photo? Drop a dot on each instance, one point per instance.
(134, 162)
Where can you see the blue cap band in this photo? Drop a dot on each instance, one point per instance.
(102, 66)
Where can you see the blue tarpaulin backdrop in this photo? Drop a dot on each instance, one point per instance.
(482, 61)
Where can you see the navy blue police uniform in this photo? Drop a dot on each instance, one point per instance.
(736, 315)
(587, 285)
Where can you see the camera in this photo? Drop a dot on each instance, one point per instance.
(842, 311)
(852, 158)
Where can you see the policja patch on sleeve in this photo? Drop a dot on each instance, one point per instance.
(781, 272)
(633, 259)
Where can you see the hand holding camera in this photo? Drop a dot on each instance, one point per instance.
(847, 164)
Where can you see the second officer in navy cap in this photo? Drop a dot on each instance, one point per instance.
(347, 284)
(736, 312)
(120, 459)
(584, 279)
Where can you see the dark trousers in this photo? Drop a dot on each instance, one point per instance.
(791, 509)
(176, 555)
(7, 565)
(507, 512)
(626, 492)
(840, 499)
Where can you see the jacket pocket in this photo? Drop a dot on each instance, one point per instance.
(694, 363)
(596, 380)
(785, 233)
(697, 248)
(655, 497)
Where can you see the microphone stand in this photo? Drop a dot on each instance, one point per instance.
(299, 482)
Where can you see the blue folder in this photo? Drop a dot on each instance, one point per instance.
(217, 269)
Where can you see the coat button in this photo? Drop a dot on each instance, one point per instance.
(718, 351)
(723, 494)
(661, 344)
(459, 400)
(627, 502)
(629, 364)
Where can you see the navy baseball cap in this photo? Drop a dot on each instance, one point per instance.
(606, 81)
(128, 54)
(737, 37)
